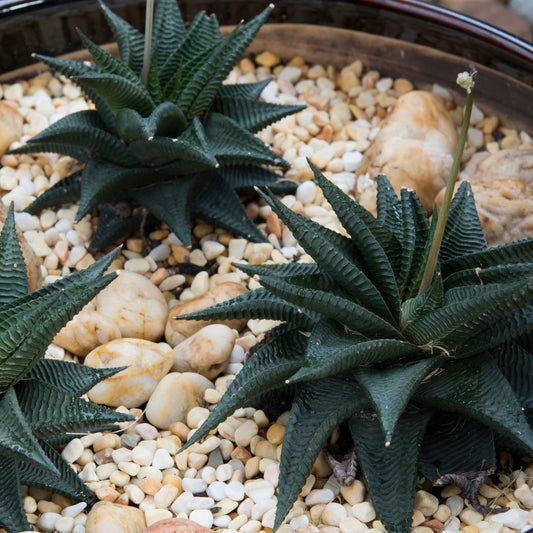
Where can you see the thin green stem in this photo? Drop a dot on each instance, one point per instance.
(148, 23)
(448, 195)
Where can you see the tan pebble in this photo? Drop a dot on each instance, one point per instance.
(434, 524)
(470, 529)
(426, 502)
(241, 453)
(273, 224)
(44, 506)
(470, 517)
(489, 124)
(105, 455)
(180, 253)
(421, 529)
(418, 518)
(355, 493)
(402, 85)
(10, 126)
(159, 275)
(442, 513)
(180, 429)
(267, 59)
(275, 433)
(489, 491)
(149, 485)
(316, 511)
(510, 142)
(251, 468)
(347, 80)
(107, 494)
(134, 245)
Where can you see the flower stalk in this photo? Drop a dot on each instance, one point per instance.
(148, 24)
(465, 80)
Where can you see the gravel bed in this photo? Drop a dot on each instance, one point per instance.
(228, 482)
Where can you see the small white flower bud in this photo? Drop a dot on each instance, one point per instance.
(466, 80)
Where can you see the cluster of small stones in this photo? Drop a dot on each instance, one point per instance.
(228, 482)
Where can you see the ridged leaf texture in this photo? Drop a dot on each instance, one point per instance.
(437, 375)
(39, 398)
(185, 122)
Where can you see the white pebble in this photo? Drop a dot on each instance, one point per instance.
(216, 490)
(514, 518)
(26, 222)
(74, 510)
(74, 238)
(162, 459)
(65, 524)
(172, 282)
(237, 354)
(47, 521)
(135, 494)
(319, 496)
(201, 502)
(204, 517)
(259, 490)
(194, 485)
(142, 456)
(121, 455)
(235, 491)
(72, 451)
(352, 161)
(333, 514)
(306, 192)
(160, 252)
(455, 504)
(224, 472)
(222, 521)
(212, 249)
(88, 473)
(364, 511)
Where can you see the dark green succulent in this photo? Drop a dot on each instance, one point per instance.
(182, 145)
(421, 382)
(39, 398)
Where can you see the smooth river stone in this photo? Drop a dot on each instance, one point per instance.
(502, 184)
(106, 517)
(414, 149)
(148, 362)
(175, 395)
(135, 304)
(86, 331)
(10, 126)
(206, 352)
(177, 330)
(176, 525)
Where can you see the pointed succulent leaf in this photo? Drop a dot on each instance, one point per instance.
(409, 241)
(84, 130)
(12, 514)
(475, 387)
(59, 309)
(251, 114)
(426, 302)
(168, 201)
(169, 29)
(107, 62)
(16, 438)
(66, 482)
(197, 96)
(167, 120)
(50, 410)
(461, 319)
(463, 233)
(66, 190)
(390, 389)
(13, 278)
(214, 201)
(493, 274)
(130, 41)
(280, 269)
(339, 308)
(516, 364)
(258, 303)
(515, 252)
(117, 220)
(57, 147)
(270, 365)
(335, 255)
(389, 209)
(390, 472)
(72, 378)
(318, 408)
(245, 178)
(250, 91)
(71, 69)
(130, 125)
(232, 144)
(456, 444)
(101, 180)
(332, 350)
(118, 92)
(377, 244)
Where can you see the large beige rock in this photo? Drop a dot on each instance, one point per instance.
(502, 184)
(206, 352)
(175, 395)
(106, 517)
(10, 126)
(135, 304)
(86, 331)
(176, 525)
(177, 330)
(414, 149)
(148, 362)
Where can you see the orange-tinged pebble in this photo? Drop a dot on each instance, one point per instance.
(273, 224)
(107, 494)
(180, 429)
(150, 486)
